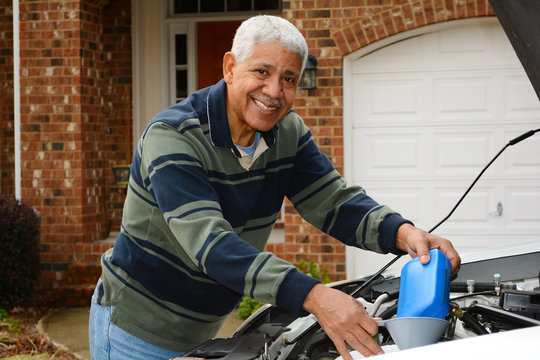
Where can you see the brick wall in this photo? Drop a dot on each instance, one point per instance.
(7, 171)
(76, 113)
(74, 103)
(89, 32)
(333, 29)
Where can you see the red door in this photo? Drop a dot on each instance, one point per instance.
(214, 40)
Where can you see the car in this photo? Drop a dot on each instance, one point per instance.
(495, 317)
(503, 305)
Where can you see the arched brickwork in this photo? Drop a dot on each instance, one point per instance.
(404, 17)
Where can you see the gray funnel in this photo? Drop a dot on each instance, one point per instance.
(409, 332)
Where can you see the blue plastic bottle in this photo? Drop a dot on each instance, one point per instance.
(424, 290)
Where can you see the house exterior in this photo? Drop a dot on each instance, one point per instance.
(93, 72)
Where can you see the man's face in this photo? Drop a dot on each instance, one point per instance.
(261, 89)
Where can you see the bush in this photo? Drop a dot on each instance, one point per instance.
(247, 307)
(312, 269)
(19, 252)
(6, 321)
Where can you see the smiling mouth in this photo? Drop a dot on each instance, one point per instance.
(264, 107)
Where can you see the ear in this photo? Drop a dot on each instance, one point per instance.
(229, 61)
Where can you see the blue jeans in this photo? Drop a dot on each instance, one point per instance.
(109, 342)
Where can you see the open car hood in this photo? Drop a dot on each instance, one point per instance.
(520, 20)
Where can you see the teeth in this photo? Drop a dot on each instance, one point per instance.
(264, 107)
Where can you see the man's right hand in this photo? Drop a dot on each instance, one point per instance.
(344, 319)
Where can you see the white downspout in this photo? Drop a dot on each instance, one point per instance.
(16, 99)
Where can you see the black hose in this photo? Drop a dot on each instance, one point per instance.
(319, 338)
(388, 313)
(474, 324)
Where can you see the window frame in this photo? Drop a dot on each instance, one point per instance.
(180, 28)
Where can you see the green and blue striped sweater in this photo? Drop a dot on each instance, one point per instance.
(196, 221)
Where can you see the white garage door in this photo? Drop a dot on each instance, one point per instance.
(424, 116)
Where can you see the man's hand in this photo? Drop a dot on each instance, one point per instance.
(418, 242)
(344, 319)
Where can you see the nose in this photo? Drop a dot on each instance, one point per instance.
(273, 88)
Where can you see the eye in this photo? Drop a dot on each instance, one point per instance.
(289, 80)
(262, 71)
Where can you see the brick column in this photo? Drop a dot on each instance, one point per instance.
(62, 133)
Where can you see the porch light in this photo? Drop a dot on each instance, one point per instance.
(309, 78)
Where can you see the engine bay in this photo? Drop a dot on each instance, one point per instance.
(487, 297)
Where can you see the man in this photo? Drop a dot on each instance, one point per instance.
(207, 183)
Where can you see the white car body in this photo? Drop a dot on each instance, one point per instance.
(519, 343)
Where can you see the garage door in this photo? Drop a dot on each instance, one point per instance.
(425, 115)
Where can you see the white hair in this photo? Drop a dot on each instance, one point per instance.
(264, 29)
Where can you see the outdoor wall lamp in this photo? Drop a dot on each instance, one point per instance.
(309, 78)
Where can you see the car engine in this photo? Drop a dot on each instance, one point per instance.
(488, 296)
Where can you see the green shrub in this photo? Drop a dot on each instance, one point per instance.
(19, 252)
(11, 324)
(248, 306)
(312, 269)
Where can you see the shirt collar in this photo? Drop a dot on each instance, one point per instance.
(220, 133)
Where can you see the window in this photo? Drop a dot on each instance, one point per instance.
(212, 6)
(180, 65)
(181, 81)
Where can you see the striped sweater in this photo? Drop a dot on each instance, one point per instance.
(198, 214)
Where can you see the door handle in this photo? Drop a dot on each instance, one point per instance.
(499, 210)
